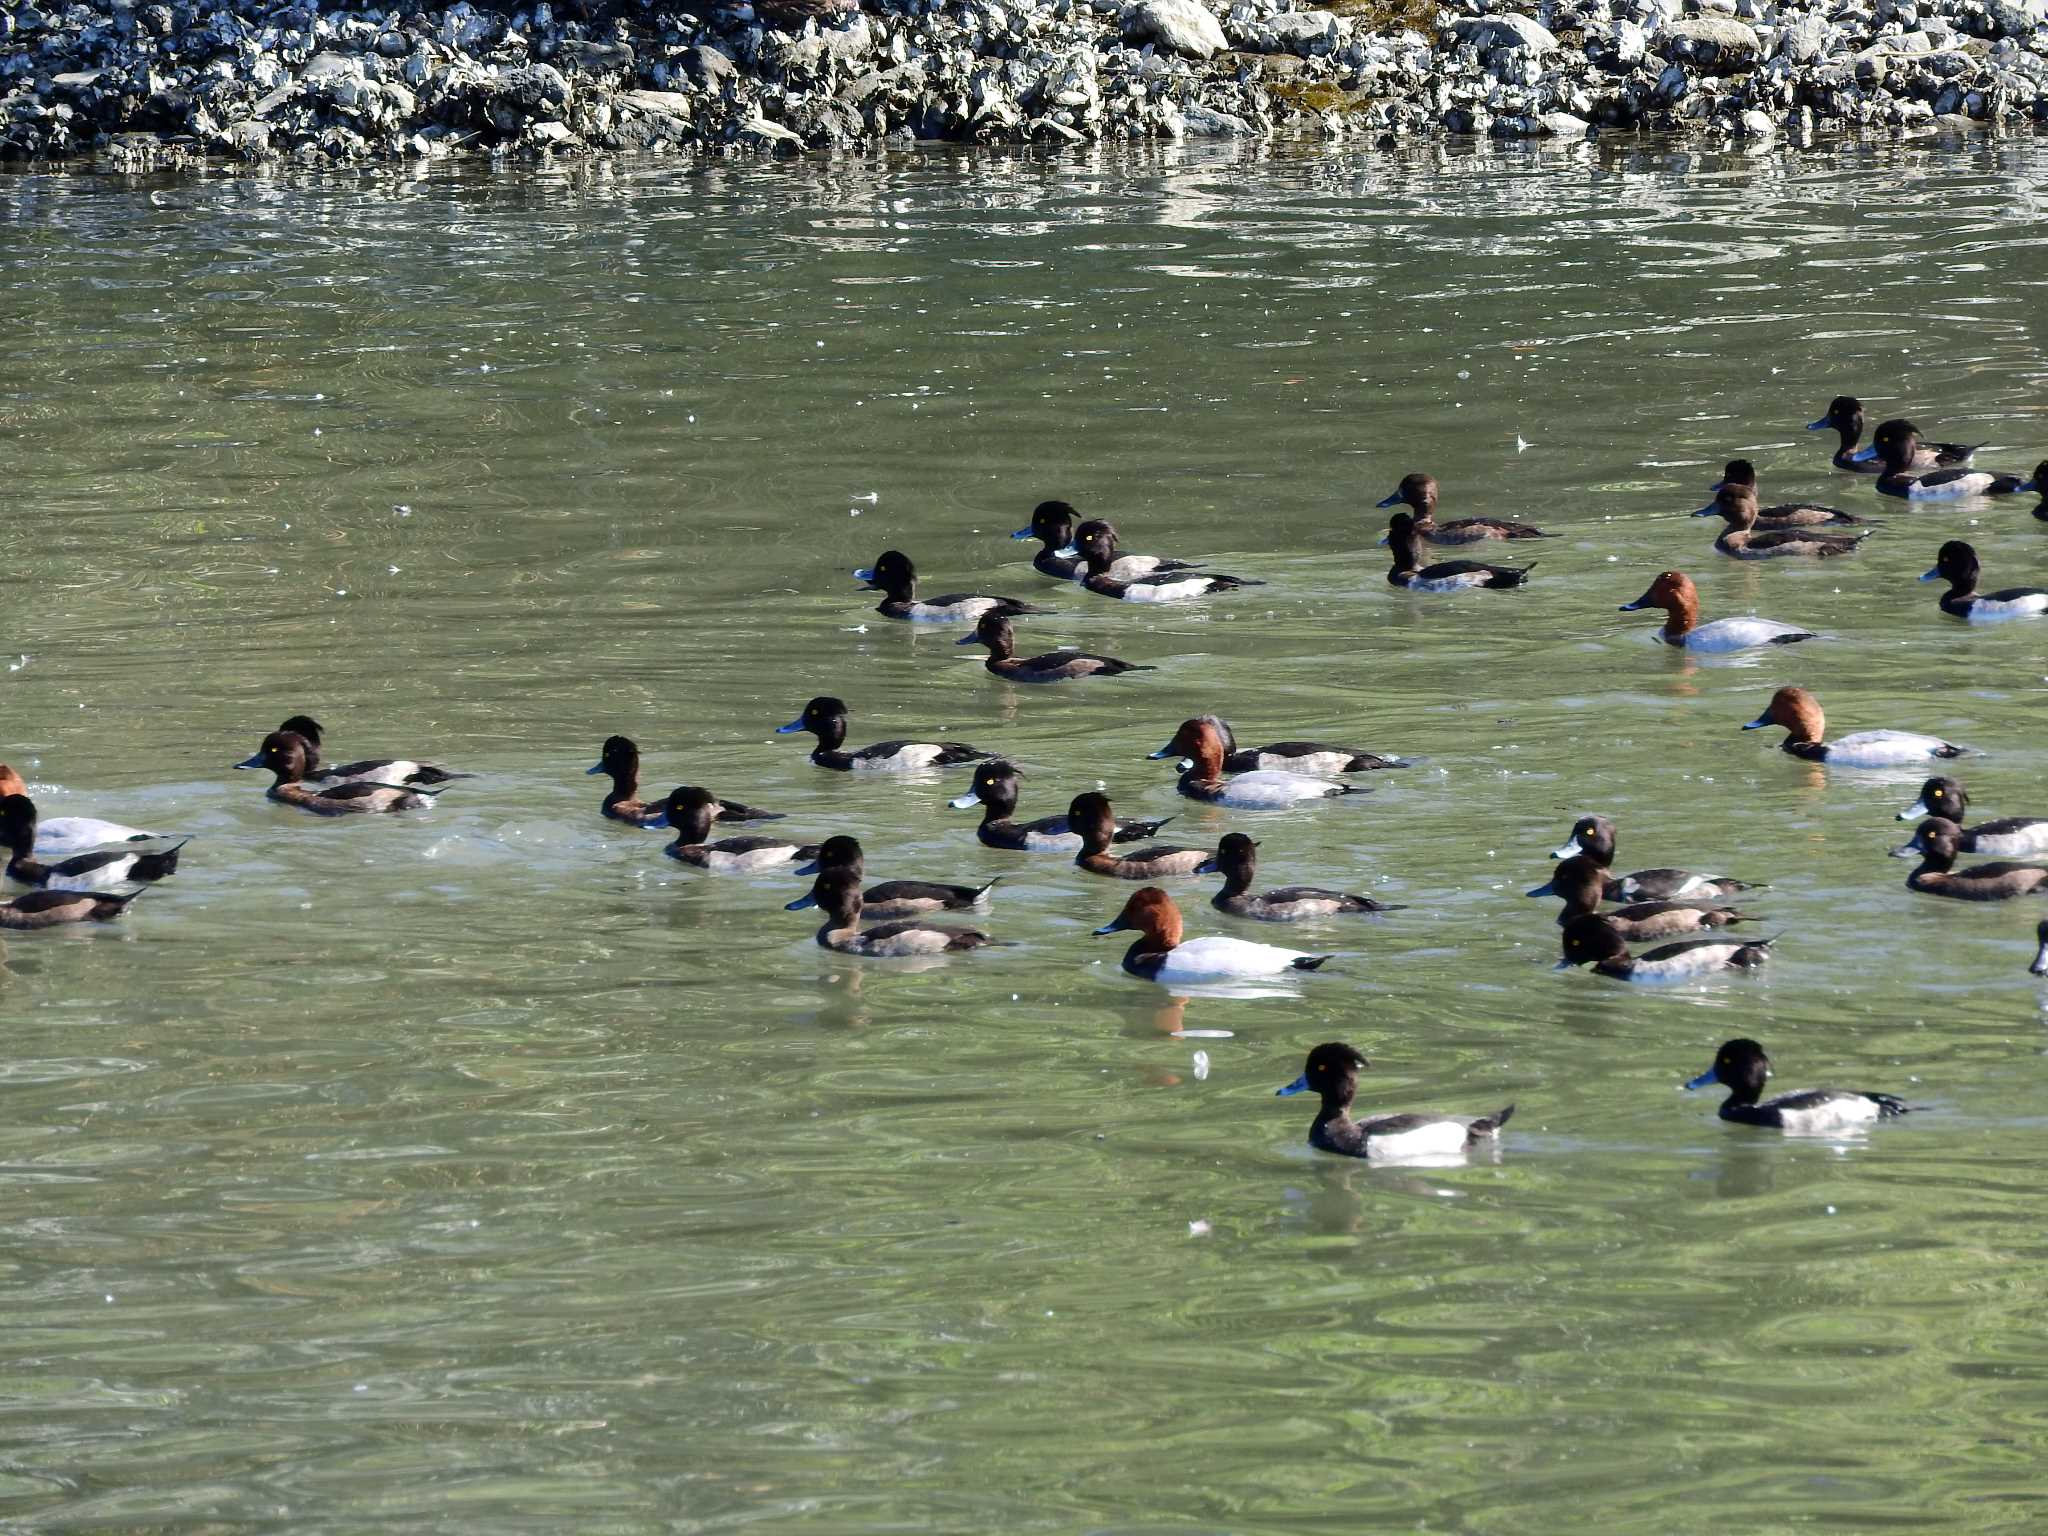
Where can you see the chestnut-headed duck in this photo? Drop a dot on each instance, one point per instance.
(1090, 815)
(825, 718)
(1582, 884)
(1097, 542)
(1592, 940)
(691, 811)
(1593, 837)
(1311, 757)
(286, 753)
(1446, 575)
(63, 835)
(1201, 743)
(1845, 418)
(1054, 524)
(892, 898)
(1938, 842)
(2012, 836)
(837, 894)
(619, 758)
(894, 575)
(1783, 514)
(101, 871)
(1898, 449)
(995, 791)
(993, 631)
(1674, 592)
(1332, 1075)
(1956, 563)
(1159, 955)
(1736, 506)
(1799, 712)
(54, 909)
(405, 772)
(1237, 860)
(1742, 1068)
(1420, 493)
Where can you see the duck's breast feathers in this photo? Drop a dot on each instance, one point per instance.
(1171, 589)
(1948, 484)
(1406, 1135)
(745, 855)
(2012, 603)
(1225, 959)
(889, 940)
(1741, 633)
(1269, 790)
(907, 756)
(1693, 958)
(2011, 837)
(1886, 749)
(1819, 1110)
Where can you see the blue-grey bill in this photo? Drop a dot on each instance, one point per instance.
(1706, 1079)
(1299, 1085)
(964, 802)
(800, 904)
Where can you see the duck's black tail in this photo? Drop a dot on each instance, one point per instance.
(1489, 1125)
(1312, 962)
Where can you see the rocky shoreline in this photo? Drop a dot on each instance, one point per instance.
(137, 85)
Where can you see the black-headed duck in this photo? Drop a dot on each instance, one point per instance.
(1783, 514)
(1160, 955)
(1091, 815)
(62, 835)
(1310, 757)
(98, 871)
(1845, 418)
(2039, 487)
(2011, 836)
(993, 631)
(1420, 493)
(995, 791)
(1742, 1068)
(691, 811)
(1097, 542)
(2040, 965)
(1237, 860)
(286, 753)
(837, 894)
(1674, 592)
(1736, 506)
(892, 898)
(825, 718)
(1055, 523)
(895, 576)
(1594, 838)
(1446, 575)
(619, 757)
(1202, 742)
(1593, 941)
(1956, 563)
(1332, 1074)
(1938, 842)
(1581, 885)
(1799, 712)
(1898, 450)
(406, 772)
(54, 909)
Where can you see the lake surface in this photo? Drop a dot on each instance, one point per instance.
(484, 1170)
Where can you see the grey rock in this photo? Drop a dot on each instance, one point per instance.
(1806, 39)
(1180, 26)
(1709, 42)
(1505, 31)
(1205, 121)
(708, 67)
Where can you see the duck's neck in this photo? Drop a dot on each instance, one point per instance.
(1236, 880)
(1681, 616)
(831, 733)
(625, 785)
(1001, 648)
(1208, 765)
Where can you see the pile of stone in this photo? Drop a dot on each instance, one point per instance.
(138, 84)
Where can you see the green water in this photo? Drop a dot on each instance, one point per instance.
(483, 1170)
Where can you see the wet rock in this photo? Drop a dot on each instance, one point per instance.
(1181, 26)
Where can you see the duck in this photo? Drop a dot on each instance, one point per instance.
(54, 909)
(1593, 941)
(1097, 542)
(1938, 842)
(64, 835)
(1956, 563)
(2039, 486)
(620, 758)
(895, 576)
(691, 810)
(1898, 450)
(1742, 1068)
(837, 894)
(101, 871)
(993, 631)
(1845, 417)
(825, 718)
(1236, 859)
(1446, 575)
(892, 898)
(1332, 1074)
(2010, 836)
(995, 791)
(286, 753)
(1784, 514)
(1799, 712)
(1159, 955)
(1593, 837)
(1674, 592)
(2040, 965)
(405, 771)
(1053, 524)
(1311, 757)
(1420, 493)
(1201, 742)
(1582, 884)
(1090, 815)
(1736, 506)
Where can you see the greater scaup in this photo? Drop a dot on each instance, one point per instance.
(1332, 1074)
(1956, 563)
(1736, 506)
(2012, 836)
(1091, 815)
(286, 753)
(1593, 941)
(1845, 418)
(1159, 955)
(1446, 575)
(1938, 842)
(1594, 837)
(1582, 884)
(995, 791)
(1201, 742)
(691, 810)
(1742, 1068)
(894, 575)
(1799, 712)
(892, 898)
(837, 894)
(1674, 592)
(1237, 860)
(993, 631)
(1420, 493)
(99, 871)
(825, 718)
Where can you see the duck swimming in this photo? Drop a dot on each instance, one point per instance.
(1332, 1074)
(1741, 1067)
(1899, 451)
(893, 574)
(837, 894)
(1845, 417)
(62, 835)
(1159, 955)
(1091, 816)
(1420, 493)
(1674, 592)
(825, 718)
(404, 771)
(1784, 514)
(993, 631)
(1736, 506)
(2040, 965)
(995, 791)
(1202, 742)
(1799, 712)
(1593, 941)
(1938, 842)
(691, 811)
(2012, 836)
(1593, 837)
(1447, 575)
(620, 758)
(892, 898)
(1310, 757)
(1097, 542)
(286, 754)
(99, 871)
(54, 909)
(1053, 524)
(1582, 884)
(1237, 860)
(1956, 563)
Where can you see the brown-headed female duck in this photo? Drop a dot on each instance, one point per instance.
(60, 836)
(1593, 837)
(1742, 1068)
(286, 753)
(995, 791)
(1799, 712)
(1310, 757)
(100, 871)
(1956, 563)
(1592, 940)
(1582, 885)
(2010, 836)
(1237, 860)
(691, 811)
(1938, 842)
(1053, 524)
(54, 909)
(1899, 449)
(1845, 418)
(825, 718)
(1202, 742)
(619, 758)
(894, 575)
(1092, 817)
(837, 894)
(1332, 1075)
(1097, 542)
(1159, 955)
(1783, 514)
(892, 898)
(1420, 493)
(1446, 575)
(406, 772)
(1736, 506)
(1674, 592)
(993, 631)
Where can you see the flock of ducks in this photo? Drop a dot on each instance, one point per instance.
(86, 870)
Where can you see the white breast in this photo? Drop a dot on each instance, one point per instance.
(1882, 749)
(1436, 1138)
(1973, 484)
(1166, 591)
(2032, 606)
(62, 836)
(1269, 788)
(1836, 1114)
(912, 755)
(1684, 967)
(1737, 634)
(1221, 959)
